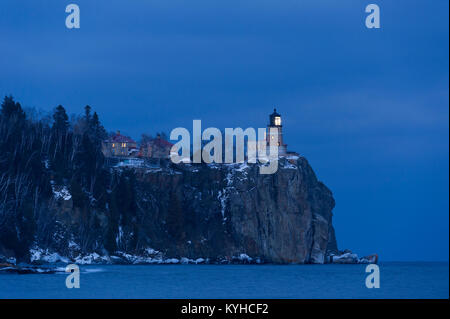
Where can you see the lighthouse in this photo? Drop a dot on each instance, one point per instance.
(275, 123)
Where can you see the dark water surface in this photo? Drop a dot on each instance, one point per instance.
(397, 280)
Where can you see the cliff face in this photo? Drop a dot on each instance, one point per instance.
(61, 199)
(220, 213)
(228, 210)
(215, 212)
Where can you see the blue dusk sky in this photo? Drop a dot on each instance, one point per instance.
(367, 107)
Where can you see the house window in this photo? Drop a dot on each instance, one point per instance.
(114, 145)
(124, 144)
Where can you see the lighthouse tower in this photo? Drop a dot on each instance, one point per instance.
(275, 122)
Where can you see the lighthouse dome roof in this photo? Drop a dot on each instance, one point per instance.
(275, 113)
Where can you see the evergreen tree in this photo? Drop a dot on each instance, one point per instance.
(11, 109)
(60, 145)
(98, 132)
(73, 152)
(60, 120)
(87, 113)
(22, 177)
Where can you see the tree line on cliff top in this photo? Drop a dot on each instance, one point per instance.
(36, 155)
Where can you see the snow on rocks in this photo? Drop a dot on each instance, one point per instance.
(40, 255)
(89, 259)
(60, 191)
(347, 257)
(148, 256)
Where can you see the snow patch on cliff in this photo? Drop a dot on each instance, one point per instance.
(288, 165)
(244, 257)
(39, 254)
(61, 192)
(242, 167)
(222, 197)
(93, 258)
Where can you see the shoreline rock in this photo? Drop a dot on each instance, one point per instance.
(26, 269)
(348, 257)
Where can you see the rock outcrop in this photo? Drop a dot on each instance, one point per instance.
(194, 213)
(221, 211)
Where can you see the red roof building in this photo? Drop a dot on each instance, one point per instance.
(156, 148)
(119, 145)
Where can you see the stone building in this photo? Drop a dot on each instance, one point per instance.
(119, 145)
(156, 148)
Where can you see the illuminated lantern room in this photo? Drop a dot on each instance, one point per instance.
(277, 140)
(275, 118)
(278, 121)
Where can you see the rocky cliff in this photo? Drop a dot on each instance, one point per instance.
(194, 213)
(221, 211)
(62, 200)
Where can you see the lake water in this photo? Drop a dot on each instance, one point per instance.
(397, 280)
